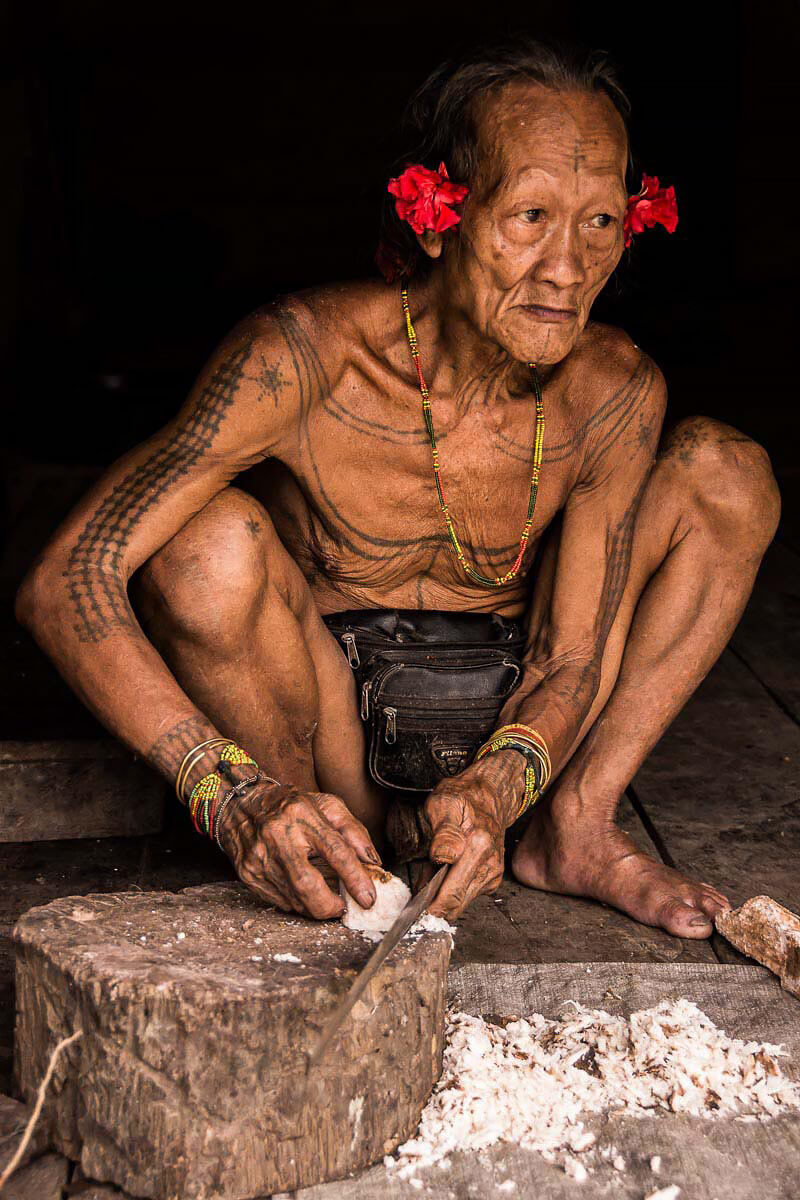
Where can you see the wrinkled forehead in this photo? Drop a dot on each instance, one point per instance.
(525, 127)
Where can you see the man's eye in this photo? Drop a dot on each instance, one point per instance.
(604, 219)
(531, 215)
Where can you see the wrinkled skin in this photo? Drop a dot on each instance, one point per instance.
(650, 542)
(271, 835)
(543, 224)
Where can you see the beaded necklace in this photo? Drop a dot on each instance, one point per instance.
(538, 442)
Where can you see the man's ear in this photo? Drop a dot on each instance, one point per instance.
(432, 243)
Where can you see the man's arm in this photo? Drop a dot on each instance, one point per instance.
(75, 599)
(563, 659)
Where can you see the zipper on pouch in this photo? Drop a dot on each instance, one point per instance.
(352, 650)
(380, 678)
(390, 732)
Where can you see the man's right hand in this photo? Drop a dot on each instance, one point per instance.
(271, 831)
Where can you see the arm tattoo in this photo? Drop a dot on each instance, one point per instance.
(270, 379)
(95, 568)
(169, 751)
(619, 541)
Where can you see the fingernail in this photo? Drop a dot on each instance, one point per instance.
(373, 856)
(366, 899)
(700, 921)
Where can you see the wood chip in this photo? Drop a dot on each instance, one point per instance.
(769, 933)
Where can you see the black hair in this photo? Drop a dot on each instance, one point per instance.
(441, 127)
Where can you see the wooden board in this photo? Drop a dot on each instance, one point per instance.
(42, 1179)
(13, 1119)
(708, 1159)
(187, 1079)
(723, 788)
(768, 636)
(522, 925)
(76, 789)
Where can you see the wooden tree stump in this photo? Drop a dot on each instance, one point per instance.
(188, 1081)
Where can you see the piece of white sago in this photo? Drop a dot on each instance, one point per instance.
(430, 924)
(666, 1193)
(391, 897)
(290, 958)
(534, 1082)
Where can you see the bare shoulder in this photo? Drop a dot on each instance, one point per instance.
(609, 357)
(322, 329)
(620, 389)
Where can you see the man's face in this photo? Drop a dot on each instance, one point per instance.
(542, 229)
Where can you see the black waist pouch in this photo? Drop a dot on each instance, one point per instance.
(431, 685)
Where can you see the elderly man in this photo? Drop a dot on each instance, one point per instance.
(281, 612)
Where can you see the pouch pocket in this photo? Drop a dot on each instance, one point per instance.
(427, 718)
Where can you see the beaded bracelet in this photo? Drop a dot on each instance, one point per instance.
(205, 799)
(191, 759)
(534, 740)
(533, 748)
(532, 768)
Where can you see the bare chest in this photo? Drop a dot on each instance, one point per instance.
(361, 513)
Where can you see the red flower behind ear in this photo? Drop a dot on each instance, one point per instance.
(652, 206)
(424, 198)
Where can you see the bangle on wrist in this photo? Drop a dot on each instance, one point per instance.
(533, 748)
(233, 794)
(206, 795)
(190, 761)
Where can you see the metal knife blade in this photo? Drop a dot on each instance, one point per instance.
(415, 907)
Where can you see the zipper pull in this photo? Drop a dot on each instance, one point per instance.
(365, 687)
(390, 735)
(352, 651)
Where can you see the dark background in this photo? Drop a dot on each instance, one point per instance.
(168, 168)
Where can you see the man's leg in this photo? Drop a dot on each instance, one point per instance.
(233, 616)
(709, 512)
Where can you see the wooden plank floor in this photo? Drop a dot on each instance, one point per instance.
(719, 796)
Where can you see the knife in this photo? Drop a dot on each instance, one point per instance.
(414, 909)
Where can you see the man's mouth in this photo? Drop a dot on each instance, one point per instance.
(541, 312)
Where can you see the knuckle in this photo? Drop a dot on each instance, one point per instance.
(482, 840)
(439, 800)
(327, 800)
(297, 806)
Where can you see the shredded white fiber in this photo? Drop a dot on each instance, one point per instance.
(533, 1082)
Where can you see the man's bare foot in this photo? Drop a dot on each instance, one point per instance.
(565, 850)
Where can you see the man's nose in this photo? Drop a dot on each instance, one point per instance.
(562, 261)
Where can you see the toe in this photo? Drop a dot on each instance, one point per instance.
(684, 920)
(719, 897)
(712, 904)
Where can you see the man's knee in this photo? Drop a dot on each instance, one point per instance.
(727, 478)
(214, 578)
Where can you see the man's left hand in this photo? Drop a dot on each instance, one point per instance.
(469, 815)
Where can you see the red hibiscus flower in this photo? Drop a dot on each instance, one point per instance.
(652, 206)
(424, 198)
